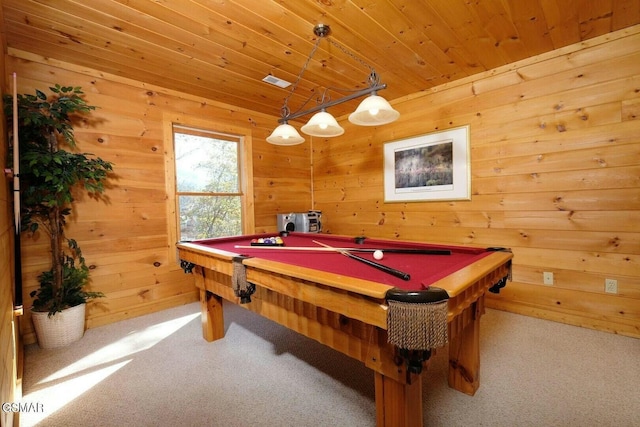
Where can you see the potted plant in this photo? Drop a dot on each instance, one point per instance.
(49, 177)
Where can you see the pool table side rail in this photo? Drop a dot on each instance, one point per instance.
(458, 281)
(339, 281)
(206, 257)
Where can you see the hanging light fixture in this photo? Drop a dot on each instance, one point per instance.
(372, 111)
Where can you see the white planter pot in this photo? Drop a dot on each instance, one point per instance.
(61, 329)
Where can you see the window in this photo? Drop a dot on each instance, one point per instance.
(208, 176)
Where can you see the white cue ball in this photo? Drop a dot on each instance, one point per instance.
(378, 254)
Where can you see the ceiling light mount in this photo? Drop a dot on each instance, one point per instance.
(372, 111)
(321, 30)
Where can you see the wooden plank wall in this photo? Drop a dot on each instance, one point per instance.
(125, 241)
(555, 160)
(10, 391)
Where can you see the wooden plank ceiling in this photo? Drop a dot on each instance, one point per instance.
(222, 49)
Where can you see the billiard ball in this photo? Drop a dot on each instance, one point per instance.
(378, 254)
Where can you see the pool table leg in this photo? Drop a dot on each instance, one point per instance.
(397, 404)
(464, 349)
(211, 311)
(212, 316)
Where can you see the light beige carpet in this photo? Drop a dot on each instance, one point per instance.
(157, 370)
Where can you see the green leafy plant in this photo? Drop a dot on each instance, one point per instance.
(49, 175)
(75, 274)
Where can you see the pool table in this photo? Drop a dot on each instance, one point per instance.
(331, 288)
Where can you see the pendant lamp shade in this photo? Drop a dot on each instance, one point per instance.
(322, 124)
(374, 110)
(285, 134)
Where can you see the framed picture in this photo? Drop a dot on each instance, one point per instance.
(431, 167)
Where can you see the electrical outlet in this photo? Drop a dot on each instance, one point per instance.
(611, 286)
(547, 278)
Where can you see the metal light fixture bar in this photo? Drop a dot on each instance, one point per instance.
(329, 104)
(373, 111)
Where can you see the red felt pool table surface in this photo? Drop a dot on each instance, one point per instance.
(424, 269)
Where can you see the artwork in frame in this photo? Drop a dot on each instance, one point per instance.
(431, 167)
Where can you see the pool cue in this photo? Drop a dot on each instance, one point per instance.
(17, 305)
(397, 273)
(332, 249)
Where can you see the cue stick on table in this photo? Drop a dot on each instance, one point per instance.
(397, 273)
(332, 249)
